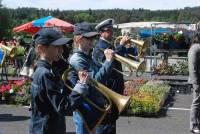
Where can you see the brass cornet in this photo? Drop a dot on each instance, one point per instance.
(112, 98)
(9, 51)
(4, 52)
(142, 45)
(138, 66)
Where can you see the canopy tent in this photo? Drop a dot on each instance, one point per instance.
(154, 24)
(36, 25)
(146, 29)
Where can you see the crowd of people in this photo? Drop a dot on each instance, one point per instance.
(15, 53)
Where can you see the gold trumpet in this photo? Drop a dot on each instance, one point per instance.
(138, 66)
(9, 51)
(121, 102)
(4, 52)
(140, 43)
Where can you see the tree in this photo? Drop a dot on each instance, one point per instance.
(83, 17)
(4, 23)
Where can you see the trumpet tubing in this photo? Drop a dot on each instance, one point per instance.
(140, 43)
(138, 66)
(11, 51)
(119, 100)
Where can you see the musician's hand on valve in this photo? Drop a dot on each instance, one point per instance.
(124, 39)
(83, 77)
(108, 54)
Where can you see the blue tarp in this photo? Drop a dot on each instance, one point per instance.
(41, 22)
(148, 33)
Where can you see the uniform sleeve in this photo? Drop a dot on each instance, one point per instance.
(77, 94)
(121, 50)
(98, 57)
(100, 74)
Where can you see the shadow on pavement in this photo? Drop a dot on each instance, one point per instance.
(70, 133)
(10, 117)
(169, 102)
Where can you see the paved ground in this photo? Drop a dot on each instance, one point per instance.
(175, 120)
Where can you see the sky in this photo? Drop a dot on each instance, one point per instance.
(102, 4)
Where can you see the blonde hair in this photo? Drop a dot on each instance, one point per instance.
(76, 40)
(39, 49)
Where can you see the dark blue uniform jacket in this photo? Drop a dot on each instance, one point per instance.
(81, 61)
(49, 101)
(115, 81)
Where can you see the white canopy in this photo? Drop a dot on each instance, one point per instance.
(154, 24)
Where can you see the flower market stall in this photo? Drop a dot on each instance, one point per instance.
(147, 98)
(167, 65)
(168, 42)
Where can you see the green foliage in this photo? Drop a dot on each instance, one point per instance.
(178, 37)
(22, 96)
(83, 17)
(23, 15)
(149, 98)
(163, 37)
(180, 68)
(20, 51)
(4, 23)
(16, 92)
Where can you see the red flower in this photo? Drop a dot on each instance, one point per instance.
(5, 88)
(19, 82)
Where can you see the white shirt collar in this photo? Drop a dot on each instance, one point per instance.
(105, 40)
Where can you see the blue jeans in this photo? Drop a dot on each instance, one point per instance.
(106, 129)
(101, 129)
(80, 128)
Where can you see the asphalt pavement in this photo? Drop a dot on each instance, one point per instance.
(173, 119)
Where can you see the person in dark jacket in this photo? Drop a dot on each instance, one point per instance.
(50, 102)
(194, 79)
(82, 60)
(27, 69)
(115, 80)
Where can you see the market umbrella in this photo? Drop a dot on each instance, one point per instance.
(36, 25)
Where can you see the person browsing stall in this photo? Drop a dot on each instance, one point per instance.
(194, 79)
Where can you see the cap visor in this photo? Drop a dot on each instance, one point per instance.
(62, 41)
(107, 28)
(90, 34)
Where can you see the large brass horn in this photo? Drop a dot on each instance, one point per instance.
(9, 51)
(138, 66)
(113, 98)
(142, 45)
